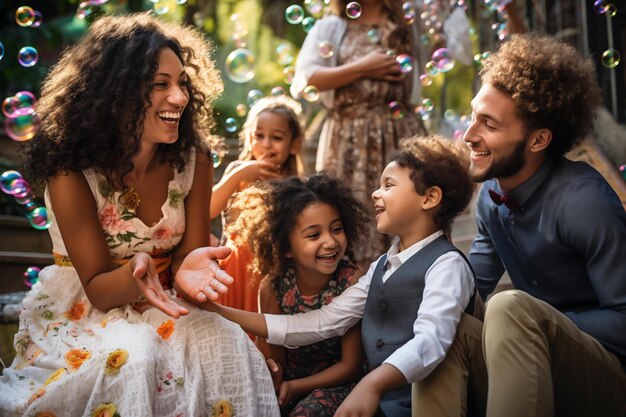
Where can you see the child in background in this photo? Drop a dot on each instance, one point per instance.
(272, 136)
(413, 300)
(302, 234)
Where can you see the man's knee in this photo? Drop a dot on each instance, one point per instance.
(505, 304)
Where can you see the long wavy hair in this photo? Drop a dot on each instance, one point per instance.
(400, 39)
(94, 101)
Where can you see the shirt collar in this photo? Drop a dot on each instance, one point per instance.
(397, 258)
(523, 192)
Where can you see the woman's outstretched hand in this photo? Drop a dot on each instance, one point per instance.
(144, 272)
(200, 276)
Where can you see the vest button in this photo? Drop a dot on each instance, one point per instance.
(383, 307)
(380, 343)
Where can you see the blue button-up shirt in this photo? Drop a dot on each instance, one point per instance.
(567, 248)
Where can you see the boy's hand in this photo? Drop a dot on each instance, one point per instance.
(363, 401)
(199, 275)
(277, 373)
(286, 393)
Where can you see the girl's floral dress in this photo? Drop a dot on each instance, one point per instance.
(312, 359)
(74, 360)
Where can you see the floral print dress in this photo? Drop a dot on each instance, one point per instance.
(311, 359)
(74, 360)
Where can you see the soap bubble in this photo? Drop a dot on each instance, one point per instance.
(353, 10)
(240, 65)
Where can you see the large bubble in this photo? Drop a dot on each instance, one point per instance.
(353, 10)
(27, 56)
(443, 60)
(240, 65)
(24, 16)
(7, 178)
(22, 128)
(610, 58)
(38, 218)
(294, 14)
(20, 104)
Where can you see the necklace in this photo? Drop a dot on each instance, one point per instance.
(129, 199)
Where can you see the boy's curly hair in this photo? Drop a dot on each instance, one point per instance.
(286, 107)
(437, 161)
(269, 211)
(93, 101)
(553, 86)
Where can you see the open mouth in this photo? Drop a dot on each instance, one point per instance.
(478, 154)
(378, 210)
(328, 258)
(170, 118)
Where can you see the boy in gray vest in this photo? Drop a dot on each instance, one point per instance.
(412, 300)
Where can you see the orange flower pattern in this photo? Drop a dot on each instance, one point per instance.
(115, 360)
(166, 329)
(77, 311)
(76, 357)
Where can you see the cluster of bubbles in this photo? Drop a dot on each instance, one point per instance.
(602, 7)
(26, 16)
(425, 109)
(21, 122)
(31, 276)
(13, 184)
(611, 57)
(87, 7)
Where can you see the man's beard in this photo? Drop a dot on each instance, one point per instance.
(507, 166)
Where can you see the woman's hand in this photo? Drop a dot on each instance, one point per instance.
(199, 275)
(380, 66)
(144, 272)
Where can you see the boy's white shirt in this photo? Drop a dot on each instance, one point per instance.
(449, 283)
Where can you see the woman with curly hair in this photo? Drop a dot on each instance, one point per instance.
(125, 116)
(352, 62)
(303, 235)
(556, 344)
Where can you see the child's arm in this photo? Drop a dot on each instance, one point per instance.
(234, 175)
(346, 370)
(269, 304)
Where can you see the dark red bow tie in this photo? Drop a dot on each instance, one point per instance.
(505, 199)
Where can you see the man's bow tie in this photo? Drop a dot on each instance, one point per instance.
(505, 199)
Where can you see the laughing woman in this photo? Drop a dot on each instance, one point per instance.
(123, 152)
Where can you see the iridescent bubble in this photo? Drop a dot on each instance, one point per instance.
(27, 56)
(38, 20)
(307, 24)
(286, 53)
(353, 10)
(425, 80)
(395, 110)
(230, 125)
(600, 6)
(29, 206)
(428, 104)
(240, 65)
(217, 160)
(7, 178)
(1, 50)
(84, 9)
(19, 188)
(326, 48)
(610, 58)
(449, 115)
(97, 2)
(24, 16)
(253, 96)
(611, 10)
(405, 62)
(315, 7)
(288, 73)
(278, 91)
(373, 35)
(622, 171)
(294, 14)
(501, 30)
(431, 68)
(442, 58)
(22, 128)
(19, 105)
(38, 218)
(31, 276)
(241, 110)
(161, 7)
(409, 12)
(422, 113)
(311, 93)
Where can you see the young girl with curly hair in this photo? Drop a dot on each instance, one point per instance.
(272, 137)
(125, 116)
(303, 234)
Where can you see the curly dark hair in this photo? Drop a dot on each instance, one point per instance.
(400, 39)
(435, 161)
(553, 86)
(93, 101)
(269, 211)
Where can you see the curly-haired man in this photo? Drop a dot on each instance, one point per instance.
(556, 344)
